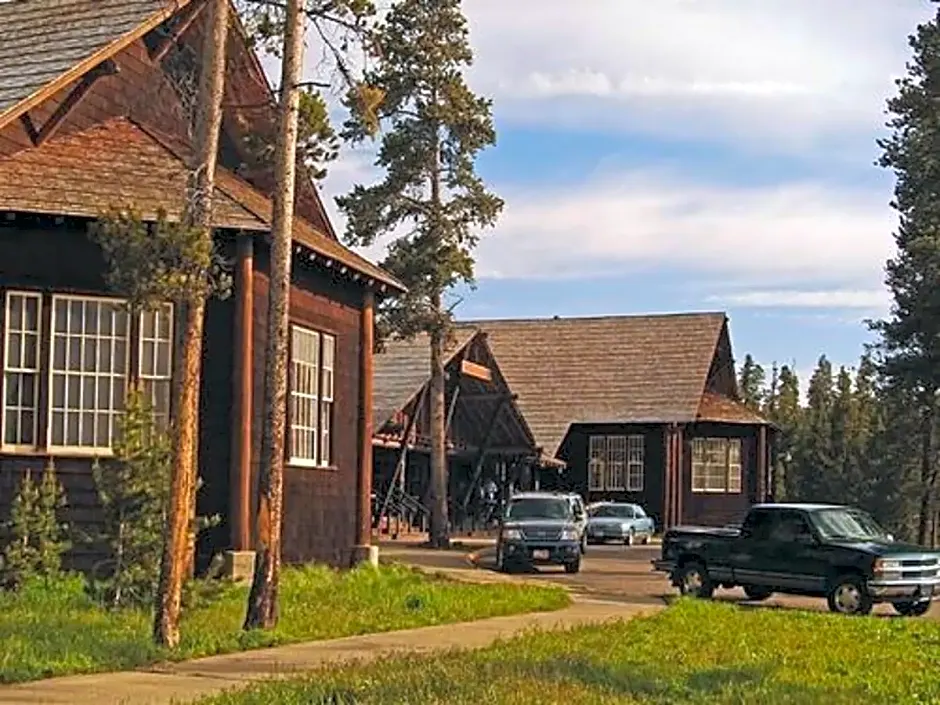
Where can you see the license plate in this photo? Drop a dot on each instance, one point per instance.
(540, 555)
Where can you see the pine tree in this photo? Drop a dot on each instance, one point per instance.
(816, 462)
(751, 381)
(787, 415)
(431, 191)
(910, 335)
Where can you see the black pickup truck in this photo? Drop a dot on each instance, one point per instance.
(831, 551)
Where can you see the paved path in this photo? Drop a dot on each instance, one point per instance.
(191, 680)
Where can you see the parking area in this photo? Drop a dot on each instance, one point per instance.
(608, 572)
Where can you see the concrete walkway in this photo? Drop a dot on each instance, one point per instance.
(191, 680)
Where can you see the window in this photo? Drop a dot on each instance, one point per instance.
(716, 465)
(636, 462)
(21, 369)
(616, 463)
(312, 372)
(155, 352)
(85, 373)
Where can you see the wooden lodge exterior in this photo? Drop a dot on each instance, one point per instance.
(95, 112)
(487, 436)
(640, 408)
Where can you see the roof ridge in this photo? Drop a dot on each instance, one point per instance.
(482, 322)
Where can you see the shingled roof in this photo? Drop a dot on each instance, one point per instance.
(402, 369)
(46, 43)
(616, 369)
(135, 167)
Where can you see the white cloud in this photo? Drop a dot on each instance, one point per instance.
(770, 236)
(800, 71)
(866, 299)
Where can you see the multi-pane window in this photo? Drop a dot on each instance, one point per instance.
(616, 463)
(90, 348)
(636, 463)
(83, 372)
(716, 465)
(312, 371)
(155, 352)
(23, 313)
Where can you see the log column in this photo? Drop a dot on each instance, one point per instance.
(241, 558)
(666, 516)
(678, 464)
(762, 465)
(364, 551)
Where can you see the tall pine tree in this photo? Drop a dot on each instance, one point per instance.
(816, 457)
(751, 381)
(431, 192)
(910, 335)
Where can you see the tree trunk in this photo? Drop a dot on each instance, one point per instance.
(927, 472)
(177, 545)
(439, 534)
(263, 600)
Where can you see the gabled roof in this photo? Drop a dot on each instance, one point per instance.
(122, 164)
(45, 44)
(615, 369)
(402, 369)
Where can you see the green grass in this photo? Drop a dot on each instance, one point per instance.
(694, 652)
(56, 630)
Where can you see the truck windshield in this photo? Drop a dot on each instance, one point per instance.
(848, 524)
(538, 508)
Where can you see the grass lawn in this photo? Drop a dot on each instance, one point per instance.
(694, 652)
(57, 630)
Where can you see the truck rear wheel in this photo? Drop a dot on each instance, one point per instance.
(847, 595)
(912, 609)
(694, 582)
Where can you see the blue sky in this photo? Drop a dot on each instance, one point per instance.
(688, 155)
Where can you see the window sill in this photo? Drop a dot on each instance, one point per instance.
(716, 491)
(302, 465)
(33, 452)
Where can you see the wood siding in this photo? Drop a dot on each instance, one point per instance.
(697, 508)
(319, 503)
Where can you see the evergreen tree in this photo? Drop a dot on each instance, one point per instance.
(787, 415)
(430, 192)
(751, 381)
(910, 335)
(816, 460)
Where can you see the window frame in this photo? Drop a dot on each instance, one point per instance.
(703, 469)
(323, 408)
(5, 370)
(48, 299)
(609, 459)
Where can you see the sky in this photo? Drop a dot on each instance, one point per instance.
(686, 155)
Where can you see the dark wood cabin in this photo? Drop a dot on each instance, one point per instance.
(639, 408)
(95, 113)
(487, 437)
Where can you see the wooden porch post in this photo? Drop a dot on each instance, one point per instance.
(667, 477)
(242, 378)
(678, 481)
(239, 563)
(364, 551)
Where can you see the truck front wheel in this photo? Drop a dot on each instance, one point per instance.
(848, 595)
(694, 582)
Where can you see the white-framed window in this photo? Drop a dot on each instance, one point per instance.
(616, 463)
(84, 370)
(716, 465)
(312, 372)
(155, 360)
(597, 455)
(636, 463)
(23, 329)
(88, 372)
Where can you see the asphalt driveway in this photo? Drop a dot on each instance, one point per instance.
(608, 572)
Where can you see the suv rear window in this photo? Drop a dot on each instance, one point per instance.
(539, 508)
